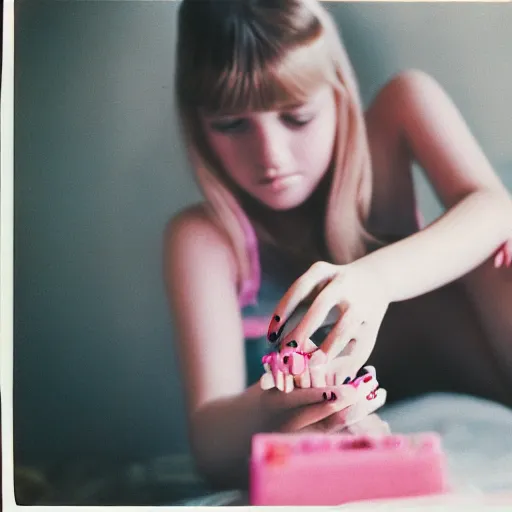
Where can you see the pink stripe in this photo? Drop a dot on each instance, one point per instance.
(250, 287)
(256, 327)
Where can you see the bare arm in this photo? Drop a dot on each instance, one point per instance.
(477, 220)
(200, 276)
(223, 415)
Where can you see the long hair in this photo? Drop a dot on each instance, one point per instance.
(240, 55)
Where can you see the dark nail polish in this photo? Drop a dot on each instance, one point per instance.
(272, 337)
(361, 372)
(277, 318)
(292, 344)
(347, 380)
(333, 396)
(285, 359)
(324, 396)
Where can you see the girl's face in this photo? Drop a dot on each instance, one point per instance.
(278, 157)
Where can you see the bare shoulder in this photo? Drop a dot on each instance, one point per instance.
(407, 81)
(192, 229)
(191, 236)
(393, 100)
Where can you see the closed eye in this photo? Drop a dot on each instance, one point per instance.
(297, 120)
(229, 126)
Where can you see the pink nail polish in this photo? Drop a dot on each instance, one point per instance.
(498, 260)
(372, 395)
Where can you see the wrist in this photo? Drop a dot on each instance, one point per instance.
(372, 267)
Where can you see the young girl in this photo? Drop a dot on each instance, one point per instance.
(309, 198)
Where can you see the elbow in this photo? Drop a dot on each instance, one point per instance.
(498, 203)
(212, 460)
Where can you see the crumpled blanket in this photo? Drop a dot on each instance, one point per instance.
(476, 435)
(477, 438)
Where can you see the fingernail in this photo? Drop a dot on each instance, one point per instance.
(368, 378)
(292, 344)
(272, 337)
(362, 371)
(333, 396)
(372, 395)
(347, 380)
(324, 396)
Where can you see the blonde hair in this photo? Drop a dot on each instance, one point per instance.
(239, 55)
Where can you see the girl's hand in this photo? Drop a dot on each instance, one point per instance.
(370, 425)
(327, 409)
(355, 291)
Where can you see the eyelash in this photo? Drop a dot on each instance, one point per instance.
(238, 125)
(297, 121)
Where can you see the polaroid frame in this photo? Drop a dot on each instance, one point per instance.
(8, 502)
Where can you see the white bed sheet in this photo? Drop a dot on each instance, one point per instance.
(476, 436)
(477, 440)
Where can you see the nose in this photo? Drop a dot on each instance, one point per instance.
(271, 146)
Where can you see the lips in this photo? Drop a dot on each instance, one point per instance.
(277, 178)
(280, 182)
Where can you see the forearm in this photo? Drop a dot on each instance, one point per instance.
(461, 240)
(221, 437)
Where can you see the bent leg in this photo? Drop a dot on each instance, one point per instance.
(490, 292)
(436, 343)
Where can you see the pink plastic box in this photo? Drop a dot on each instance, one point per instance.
(333, 469)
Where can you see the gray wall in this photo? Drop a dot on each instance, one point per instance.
(99, 169)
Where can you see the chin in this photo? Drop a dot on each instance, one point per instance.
(281, 204)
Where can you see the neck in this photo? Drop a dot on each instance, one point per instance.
(299, 230)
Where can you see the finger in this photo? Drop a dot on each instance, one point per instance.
(279, 380)
(499, 259)
(267, 381)
(343, 370)
(370, 425)
(300, 398)
(288, 384)
(364, 407)
(504, 255)
(288, 330)
(318, 273)
(281, 330)
(356, 353)
(329, 378)
(318, 358)
(306, 416)
(303, 380)
(325, 309)
(318, 376)
(346, 329)
(353, 415)
(345, 367)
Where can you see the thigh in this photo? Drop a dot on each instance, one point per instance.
(490, 292)
(436, 343)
